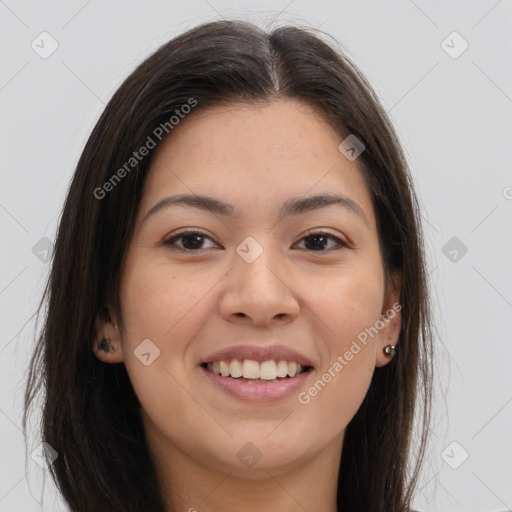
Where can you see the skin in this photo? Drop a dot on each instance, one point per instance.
(191, 304)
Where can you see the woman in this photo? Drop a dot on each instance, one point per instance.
(238, 315)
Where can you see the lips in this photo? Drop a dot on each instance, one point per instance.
(257, 374)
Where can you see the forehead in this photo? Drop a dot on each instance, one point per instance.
(255, 156)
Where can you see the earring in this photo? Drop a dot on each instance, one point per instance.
(389, 350)
(105, 345)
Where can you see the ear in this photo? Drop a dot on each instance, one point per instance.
(392, 319)
(111, 350)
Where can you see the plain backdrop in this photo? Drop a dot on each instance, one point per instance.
(442, 71)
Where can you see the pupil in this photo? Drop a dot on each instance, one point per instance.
(323, 242)
(197, 239)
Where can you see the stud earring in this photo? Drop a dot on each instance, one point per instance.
(389, 350)
(105, 345)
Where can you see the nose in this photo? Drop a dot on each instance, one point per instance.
(259, 293)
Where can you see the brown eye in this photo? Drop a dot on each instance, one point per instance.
(190, 241)
(319, 240)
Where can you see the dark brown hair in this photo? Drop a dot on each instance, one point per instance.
(90, 413)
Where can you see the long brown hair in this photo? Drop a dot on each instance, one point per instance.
(90, 413)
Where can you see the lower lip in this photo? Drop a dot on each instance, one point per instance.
(263, 392)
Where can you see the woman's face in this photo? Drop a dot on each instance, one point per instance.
(252, 280)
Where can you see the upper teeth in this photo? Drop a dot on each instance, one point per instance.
(249, 369)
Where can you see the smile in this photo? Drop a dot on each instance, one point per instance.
(255, 381)
(255, 372)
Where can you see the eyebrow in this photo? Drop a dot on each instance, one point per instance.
(291, 207)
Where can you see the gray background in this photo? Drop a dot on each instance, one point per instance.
(453, 116)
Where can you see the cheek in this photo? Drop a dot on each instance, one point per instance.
(150, 309)
(346, 302)
(344, 310)
(158, 304)
(167, 306)
(157, 299)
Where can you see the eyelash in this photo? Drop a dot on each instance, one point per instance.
(170, 241)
